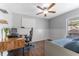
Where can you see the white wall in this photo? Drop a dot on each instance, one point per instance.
(40, 26)
(58, 24)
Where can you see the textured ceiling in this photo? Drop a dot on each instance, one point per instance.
(31, 10)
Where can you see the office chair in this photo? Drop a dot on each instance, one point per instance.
(29, 38)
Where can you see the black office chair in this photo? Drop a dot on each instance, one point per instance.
(29, 38)
(28, 45)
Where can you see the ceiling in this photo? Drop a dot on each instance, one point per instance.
(31, 10)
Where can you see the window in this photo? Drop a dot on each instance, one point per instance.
(73, 27)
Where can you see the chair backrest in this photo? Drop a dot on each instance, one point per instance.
(31, 33)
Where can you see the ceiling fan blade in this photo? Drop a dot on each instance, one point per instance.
(52, 11)
(39, 13)
(4, 11)
(40, 7)
(45, 15)
(51, 6)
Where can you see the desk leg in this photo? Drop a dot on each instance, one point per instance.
(23, 51)
(1, 53)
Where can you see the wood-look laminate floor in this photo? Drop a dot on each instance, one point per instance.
(37, 50)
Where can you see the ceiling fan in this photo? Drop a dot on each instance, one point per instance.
(46, 10)
(4, 11)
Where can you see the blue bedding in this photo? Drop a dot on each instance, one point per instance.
(62, 42)
(69, 43)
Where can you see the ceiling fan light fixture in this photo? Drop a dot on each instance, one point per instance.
(45, 11)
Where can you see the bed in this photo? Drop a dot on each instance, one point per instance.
(71, 44)
(63, 47)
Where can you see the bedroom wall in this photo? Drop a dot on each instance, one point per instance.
(58, 24)
(40, 26)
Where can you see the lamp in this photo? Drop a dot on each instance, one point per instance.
(2, 21)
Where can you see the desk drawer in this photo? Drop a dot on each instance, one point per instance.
(11, 44)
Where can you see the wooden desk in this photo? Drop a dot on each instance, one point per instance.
(12, 43)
